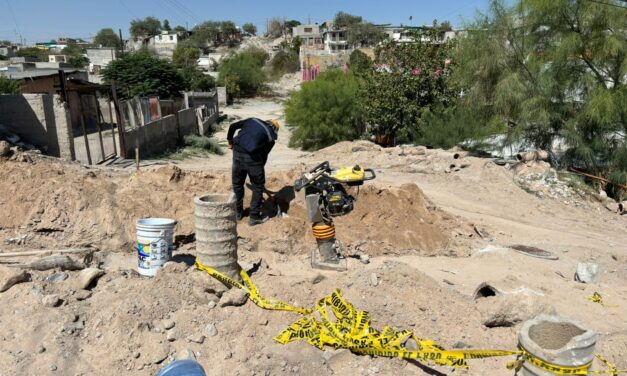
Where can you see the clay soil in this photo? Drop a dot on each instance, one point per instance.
(432, 234)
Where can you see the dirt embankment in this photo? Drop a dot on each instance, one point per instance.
(52, 204)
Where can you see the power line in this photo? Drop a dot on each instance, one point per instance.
(174, 11)
(17, 27)
(610, 4)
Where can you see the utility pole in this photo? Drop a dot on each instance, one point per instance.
(121, 40)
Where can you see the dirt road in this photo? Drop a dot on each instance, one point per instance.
(432, 234)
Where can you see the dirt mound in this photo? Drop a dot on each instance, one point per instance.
(58, 205)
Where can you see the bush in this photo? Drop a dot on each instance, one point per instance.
(242, 73)
(207, 144)
(360, 63)
(144, 74)
(283, 62)
(325, 111)
(9, 86)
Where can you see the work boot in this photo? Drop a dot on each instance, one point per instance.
(239, 215)
(257, 220)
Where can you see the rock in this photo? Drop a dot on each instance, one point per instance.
(338, 360)
(317, 279)
(364, 259)
(51, 300)
(172, 335)
(510, 309)
(53, 367)
(40, 349)
(263, 322)
(210, 330)
(168, 324)
(87, 276)
(82, 295)
(160, 353)
(203, 283)
(5, 149)
(136, 354)
(196, 338)
(10, 277)
(174, 267)
(57, 277)
(461, 345)
(586, 272)
(185, 354)
(211, 304)
(234, 297)
(374, 281)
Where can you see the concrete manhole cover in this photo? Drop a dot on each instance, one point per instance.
(534, 252)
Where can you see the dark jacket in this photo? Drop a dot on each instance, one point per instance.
(255, 138)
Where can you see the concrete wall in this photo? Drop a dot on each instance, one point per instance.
(187, 122)
(153, 138)
(40, 120)
(221, 95)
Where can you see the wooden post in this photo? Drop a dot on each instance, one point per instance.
(115, 148)
(99, 125)
(119, 119)
(82, 119)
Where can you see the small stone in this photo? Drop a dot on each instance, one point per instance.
(98, 335)
(461, 345)
(234, 297)
(136, 354)
(263, 322)
(53, 367)
(87, 276)
(10, 277)
(210, 330)
(57, 277)
(317, 279)
(160, 354)
(40, 349)
(364, 259)
(586, 272)
(5, 149)
(284, 364)
(211, 304)
(51, 300)
(374, 281)
(82, 295)
(168, 324)
(185, 354)
(196, 338)
(171, 335)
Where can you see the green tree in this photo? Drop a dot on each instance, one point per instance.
(290, 25)
(364, 34)
(33, 52)
(548, 70)
(9, 86)
(343, 19)
(325, 111)
(249, 28)
(107, 38)
(144, 74)
(75, 55)
(147, 27)
(186, 60)
(409, 79)
(360, 63)
(166, 25)
(179, 29)
(205, 34)
(242, 73)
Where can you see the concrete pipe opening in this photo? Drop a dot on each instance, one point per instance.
(557, 341)
(622, 207)
(216, 233)
(554, 335)
(485, 290)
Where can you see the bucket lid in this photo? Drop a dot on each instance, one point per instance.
(156, 222)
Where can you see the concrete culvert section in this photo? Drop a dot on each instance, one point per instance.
(557, 341)
(216, 233)
(485, 290)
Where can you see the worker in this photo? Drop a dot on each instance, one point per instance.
(251, 147)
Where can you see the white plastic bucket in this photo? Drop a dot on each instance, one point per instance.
(154, 244)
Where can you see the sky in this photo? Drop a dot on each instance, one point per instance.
(43, 20)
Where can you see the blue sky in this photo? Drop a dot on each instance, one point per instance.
(42, 20)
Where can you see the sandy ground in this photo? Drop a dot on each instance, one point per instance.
(433, 236)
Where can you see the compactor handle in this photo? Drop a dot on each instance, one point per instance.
(372, 174)
(324, 166)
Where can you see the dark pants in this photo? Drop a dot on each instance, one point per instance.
(244, 165)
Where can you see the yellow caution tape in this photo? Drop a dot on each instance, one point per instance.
(597, 298)
(351, 330)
